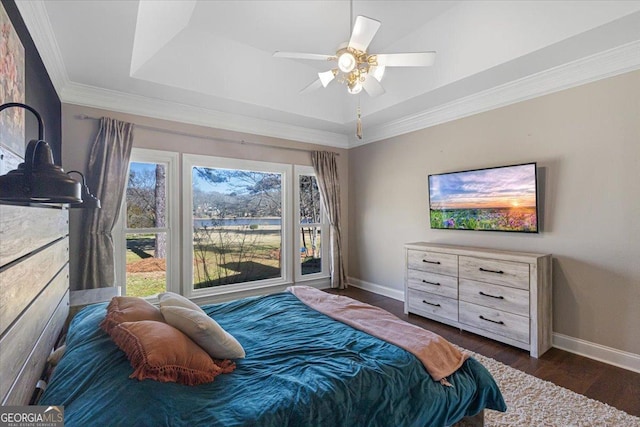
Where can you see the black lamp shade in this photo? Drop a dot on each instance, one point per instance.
(89, 201)
(39, 179)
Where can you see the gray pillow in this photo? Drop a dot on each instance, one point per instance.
(204, 331)
(176, 300)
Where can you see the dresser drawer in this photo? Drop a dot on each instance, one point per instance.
(447, 286)
(502, 298)
(507, 273)
(429, 305)
(433, 262)
(496, 321)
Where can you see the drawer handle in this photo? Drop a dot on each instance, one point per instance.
(492, 296)
(430, 283)
(431, 262)
(491, 271)
(430, 303)
(499, 322)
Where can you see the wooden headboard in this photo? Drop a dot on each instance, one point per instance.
(34, 294)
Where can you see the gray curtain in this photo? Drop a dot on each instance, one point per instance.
(326, 169)
(106, 177)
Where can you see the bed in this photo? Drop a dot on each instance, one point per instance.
(301, 368)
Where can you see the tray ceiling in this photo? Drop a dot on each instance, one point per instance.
(210, 62)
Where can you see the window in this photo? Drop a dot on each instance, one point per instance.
(146, 225)
(245, 225)
(311, 226)
(236, 223)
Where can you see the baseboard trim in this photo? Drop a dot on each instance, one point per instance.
(376, 289)
(601, 353)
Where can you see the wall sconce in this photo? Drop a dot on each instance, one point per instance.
(89, 201)
(38, 179)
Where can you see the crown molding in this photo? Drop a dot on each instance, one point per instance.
(619, 60)
(90, 96)
(34, 14)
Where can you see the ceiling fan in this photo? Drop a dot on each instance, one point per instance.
(357, 68)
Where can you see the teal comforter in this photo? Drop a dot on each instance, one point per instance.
(302, 369)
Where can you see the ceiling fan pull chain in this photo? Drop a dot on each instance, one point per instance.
(359, 122)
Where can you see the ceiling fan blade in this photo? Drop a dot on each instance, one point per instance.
(327, 77)
(418, 59)
(315, 85)
(302, 55)
(372, 86)
(363, 32)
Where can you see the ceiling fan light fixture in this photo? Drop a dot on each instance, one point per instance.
(355, 87)
(327, 76)
(347, 62)
(377, 71)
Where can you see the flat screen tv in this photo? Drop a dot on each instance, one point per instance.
(492, 199)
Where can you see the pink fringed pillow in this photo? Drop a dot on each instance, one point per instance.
(129, 309)
(160, 352)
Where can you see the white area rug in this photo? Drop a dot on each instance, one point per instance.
(535, 402)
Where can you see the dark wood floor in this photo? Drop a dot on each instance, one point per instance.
(609, 384)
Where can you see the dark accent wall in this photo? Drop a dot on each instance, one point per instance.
(40, 93)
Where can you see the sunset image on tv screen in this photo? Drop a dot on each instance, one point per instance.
(499, 199)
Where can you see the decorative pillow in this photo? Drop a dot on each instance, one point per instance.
(160, 352)
(174, 300)
(205, 331)
(129, 309)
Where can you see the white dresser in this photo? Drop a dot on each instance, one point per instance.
(502, 295)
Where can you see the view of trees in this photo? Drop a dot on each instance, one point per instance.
(146, 203)
(227, 250)
(146, 199)
(248, 194)
(310, 214)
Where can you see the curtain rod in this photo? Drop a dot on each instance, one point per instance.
(210, 138)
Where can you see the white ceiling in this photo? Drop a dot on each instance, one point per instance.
(210, 62)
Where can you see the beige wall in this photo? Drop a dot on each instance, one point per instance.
(78, 135)
(586, 141)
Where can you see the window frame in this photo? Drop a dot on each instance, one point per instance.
(171, 161)
(323, 224)
(196, 160)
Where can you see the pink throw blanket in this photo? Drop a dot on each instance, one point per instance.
(438, 356)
